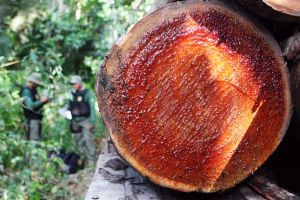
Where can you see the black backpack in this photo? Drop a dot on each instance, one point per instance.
(78, 106)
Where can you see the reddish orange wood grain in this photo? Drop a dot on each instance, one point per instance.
(195, 97)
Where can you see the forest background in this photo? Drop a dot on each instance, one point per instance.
(57, 38)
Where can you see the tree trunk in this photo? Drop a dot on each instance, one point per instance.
(195, 96)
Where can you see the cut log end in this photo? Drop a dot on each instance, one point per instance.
(291, 7)
(279, 10)
(195, 97)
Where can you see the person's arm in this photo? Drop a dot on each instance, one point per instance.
(28, 101)
(91, 101)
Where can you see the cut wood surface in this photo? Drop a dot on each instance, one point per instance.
(281, 10)
(291, 7)
(195, 97)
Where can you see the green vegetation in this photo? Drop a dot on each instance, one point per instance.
(56, 38)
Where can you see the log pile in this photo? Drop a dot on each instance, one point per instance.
(196, 96)
(295, 80)
(281, 10)
(114, 179)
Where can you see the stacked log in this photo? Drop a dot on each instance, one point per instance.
(196, 96)
(282, 10)
(295, 80)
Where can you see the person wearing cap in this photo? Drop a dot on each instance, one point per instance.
(32, 105)
(82, 107)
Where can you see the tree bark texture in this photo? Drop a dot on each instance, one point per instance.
(113, 179)
(295, 80)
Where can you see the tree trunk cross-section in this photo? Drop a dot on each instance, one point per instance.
(195, 97)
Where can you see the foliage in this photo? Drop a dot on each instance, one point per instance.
(56, 38)
(27, 172)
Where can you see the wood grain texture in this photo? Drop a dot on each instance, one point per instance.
(195, 97)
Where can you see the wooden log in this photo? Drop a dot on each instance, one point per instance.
(195, 97)
(270, 190)
(291, 47)
(291, 7)
(111, 181)
(295, 86)
(281, 10)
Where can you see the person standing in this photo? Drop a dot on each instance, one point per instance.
(32, 105)
(82, 108)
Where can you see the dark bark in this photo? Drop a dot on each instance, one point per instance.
(265, 10)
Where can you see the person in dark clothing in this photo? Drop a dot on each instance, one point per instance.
(82, 108)
(32, 106)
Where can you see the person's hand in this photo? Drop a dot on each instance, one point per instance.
(44, 99)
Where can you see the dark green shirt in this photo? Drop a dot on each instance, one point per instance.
(28, 101)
